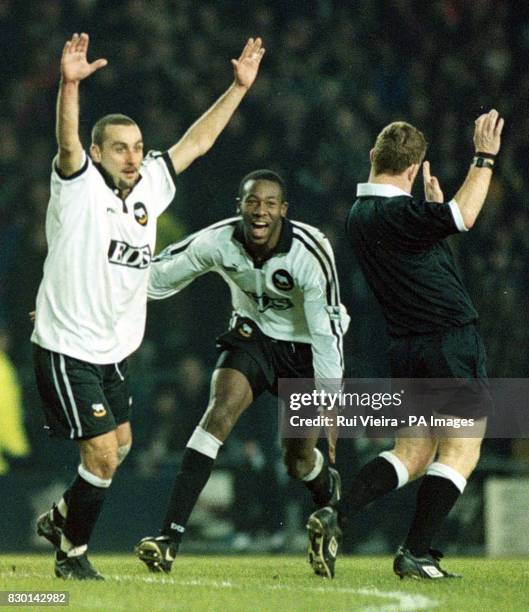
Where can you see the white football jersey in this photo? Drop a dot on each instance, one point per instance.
(91, 303)
(293, 295)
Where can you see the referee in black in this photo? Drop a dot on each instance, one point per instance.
(400, 244)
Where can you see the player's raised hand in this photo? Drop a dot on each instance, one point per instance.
(487, 132)
(432, 189)
(246, 67)
(74, 65)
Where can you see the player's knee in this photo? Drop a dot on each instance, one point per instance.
(103, 464)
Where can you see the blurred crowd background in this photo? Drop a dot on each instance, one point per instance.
(335, 72)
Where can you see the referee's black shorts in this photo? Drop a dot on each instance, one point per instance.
(263, 360)
(81, 400)
(456, 358)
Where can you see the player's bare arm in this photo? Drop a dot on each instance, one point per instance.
(200, 137)
(487, 139)
(74, 68)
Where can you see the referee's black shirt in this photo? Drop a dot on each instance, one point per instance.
(400, 245)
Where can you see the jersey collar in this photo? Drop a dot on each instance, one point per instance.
(380, 190)
(283, 245)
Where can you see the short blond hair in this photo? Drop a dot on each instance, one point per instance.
(398, 146)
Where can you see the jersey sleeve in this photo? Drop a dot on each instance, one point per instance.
(178, 265)
(70, 191)
(158, 168)
(78, 176)
(424, 223)
(327, 319)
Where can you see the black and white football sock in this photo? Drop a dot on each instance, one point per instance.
(437, 495)
(85, 500)
(318, 481)
(378, 477)
(197, 463)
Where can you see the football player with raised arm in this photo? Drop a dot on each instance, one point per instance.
(91, 304)
(287, 323)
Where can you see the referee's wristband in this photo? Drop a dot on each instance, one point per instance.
(481, 162)
(486, 155)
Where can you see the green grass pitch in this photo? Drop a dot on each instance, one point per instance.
(230, 583)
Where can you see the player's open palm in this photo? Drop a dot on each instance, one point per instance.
(246, 67)
(487, 132)
(74, 65)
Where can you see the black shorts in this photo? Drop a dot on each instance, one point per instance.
(262, 359)
(81, 400)
(456, 359)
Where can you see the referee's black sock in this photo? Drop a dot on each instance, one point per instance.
(378, 477)
(438, 493)
(197, 463)
(85, 500)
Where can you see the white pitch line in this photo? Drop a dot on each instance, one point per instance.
(406, 601)
(403, 602)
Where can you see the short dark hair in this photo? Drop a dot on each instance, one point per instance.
(264, 175)
(398, 146)
(98, 131)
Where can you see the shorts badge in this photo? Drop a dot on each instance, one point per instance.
(99, 410)
(245, 330)
(282, 280)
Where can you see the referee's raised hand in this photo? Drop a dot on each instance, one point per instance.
(487, 132)
(432, 189)
(74, 65)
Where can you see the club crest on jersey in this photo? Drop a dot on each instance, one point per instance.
(282, 280)
(98, 410)
(140, 213)
(245, 330)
